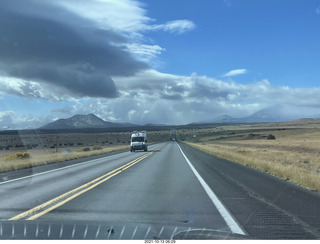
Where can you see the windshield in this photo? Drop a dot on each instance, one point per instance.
(145, 119)
(137, 139)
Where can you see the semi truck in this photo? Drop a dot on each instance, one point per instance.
(139, 141)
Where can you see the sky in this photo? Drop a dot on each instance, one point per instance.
(162, 62)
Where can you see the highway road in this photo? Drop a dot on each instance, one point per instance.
(171, 191)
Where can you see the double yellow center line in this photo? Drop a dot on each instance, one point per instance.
(54, 203)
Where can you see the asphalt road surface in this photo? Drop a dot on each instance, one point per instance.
(171, 191)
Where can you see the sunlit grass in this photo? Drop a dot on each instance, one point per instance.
(294, 155)
(42, 157)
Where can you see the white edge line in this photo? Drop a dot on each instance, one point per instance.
(230, 221)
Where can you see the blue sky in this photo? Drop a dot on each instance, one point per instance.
(171, 62)
(274, 39)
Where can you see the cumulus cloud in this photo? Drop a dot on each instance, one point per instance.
(235, 72)
(52, 51)
(132, 20)
(173, 99)
(74, 48)
(10, 120)
(125, 16)
(150, 96)
(86, 52)
(6, 120)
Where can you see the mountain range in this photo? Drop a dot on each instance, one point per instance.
(79, 121)
(91, 121)
(265, 115)
(276, 113)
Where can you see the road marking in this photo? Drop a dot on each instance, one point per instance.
(54, 203)
(62, 168)
(53, 170)
(226, 215)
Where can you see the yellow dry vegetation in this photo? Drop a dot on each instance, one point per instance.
(17, 155)
(41, 157)
(294, 155)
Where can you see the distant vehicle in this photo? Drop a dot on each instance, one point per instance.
(139, 141)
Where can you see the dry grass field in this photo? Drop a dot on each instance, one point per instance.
(41, 156)
(29, 150)
(293, 155)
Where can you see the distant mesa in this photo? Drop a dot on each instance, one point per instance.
(277, 113)
(79, 121)
(270, 114)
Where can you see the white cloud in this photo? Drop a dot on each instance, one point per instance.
(108, 39)
(193, 98)
(129, 18)
(123, 15)
(144, 52)
(12, 120)
(176, 26)
(235, 72)
(145, 95)
(154, 97)
(32, 89)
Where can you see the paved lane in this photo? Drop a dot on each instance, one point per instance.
(156, 187)
(172, 187)
(160, 189)
(26, 192)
